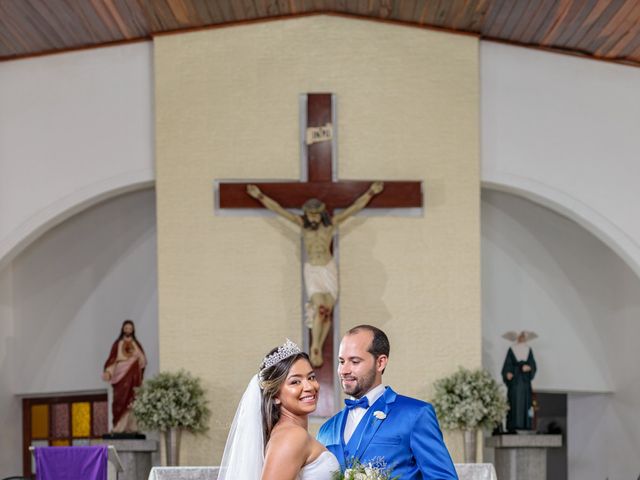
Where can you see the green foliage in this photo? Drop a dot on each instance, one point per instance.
(172, 399)
(469, 399)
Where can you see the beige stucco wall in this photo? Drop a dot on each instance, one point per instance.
(229, 287)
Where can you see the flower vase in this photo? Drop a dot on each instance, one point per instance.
(470, 445)
(172, 446)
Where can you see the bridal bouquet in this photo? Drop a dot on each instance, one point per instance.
(375, 469)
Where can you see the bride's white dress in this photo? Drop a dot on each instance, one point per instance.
(243, 456)
(322, 468)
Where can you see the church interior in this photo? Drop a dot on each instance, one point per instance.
(520, 119)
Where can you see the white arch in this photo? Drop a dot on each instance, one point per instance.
(583, 214)
(64, 207)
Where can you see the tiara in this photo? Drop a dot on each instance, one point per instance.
(285, 350)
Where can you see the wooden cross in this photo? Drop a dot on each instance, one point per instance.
(320, 182)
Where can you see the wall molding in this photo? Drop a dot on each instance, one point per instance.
(573, 208)
(65, 207)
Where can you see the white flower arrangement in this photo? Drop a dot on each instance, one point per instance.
(469, 399)
(170, 400)
(379, 415)
(375, 469)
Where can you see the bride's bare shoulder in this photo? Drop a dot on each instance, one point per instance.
(282, 434)
(286, 452)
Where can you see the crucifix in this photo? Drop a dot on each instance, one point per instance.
(320, 193)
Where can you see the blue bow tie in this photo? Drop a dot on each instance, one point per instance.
(363, 402)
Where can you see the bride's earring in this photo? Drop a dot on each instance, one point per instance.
(277, 401)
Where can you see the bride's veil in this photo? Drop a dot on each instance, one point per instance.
(243, 456)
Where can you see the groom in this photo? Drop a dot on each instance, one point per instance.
(377, 422)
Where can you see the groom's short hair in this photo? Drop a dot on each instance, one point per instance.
(379, 344)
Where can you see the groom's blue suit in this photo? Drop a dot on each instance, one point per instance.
(406, 433)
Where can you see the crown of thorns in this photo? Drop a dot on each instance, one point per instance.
(313, 206)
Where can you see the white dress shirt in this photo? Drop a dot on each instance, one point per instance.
(355, 414)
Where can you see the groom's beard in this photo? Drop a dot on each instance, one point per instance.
(363, 384)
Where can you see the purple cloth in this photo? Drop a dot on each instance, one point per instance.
(71, 463)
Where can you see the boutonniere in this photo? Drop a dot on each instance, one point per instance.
(379, 415)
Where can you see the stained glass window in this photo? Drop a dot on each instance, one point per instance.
(60, 421)
(100, 418)
(63, 421)
(39, 421)
(60, 443)
(81, 419)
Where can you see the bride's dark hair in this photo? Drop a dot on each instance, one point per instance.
(271, 379)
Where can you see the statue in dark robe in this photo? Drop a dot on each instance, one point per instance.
(518, 371)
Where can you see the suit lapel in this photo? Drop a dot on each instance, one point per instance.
(338, 435)
(373, 422)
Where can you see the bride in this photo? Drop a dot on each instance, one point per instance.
(268, 439)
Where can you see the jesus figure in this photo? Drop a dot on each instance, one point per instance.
(320, 271)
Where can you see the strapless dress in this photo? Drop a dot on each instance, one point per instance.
(322, 468)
